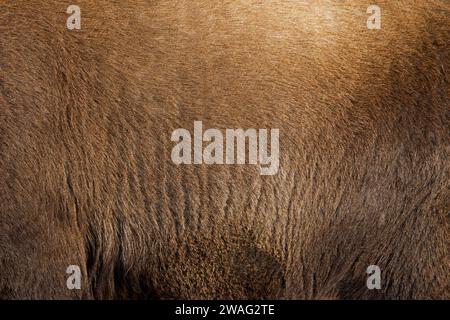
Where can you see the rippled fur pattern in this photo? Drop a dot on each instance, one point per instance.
(86, 177)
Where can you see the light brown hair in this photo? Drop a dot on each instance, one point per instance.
(86, 177)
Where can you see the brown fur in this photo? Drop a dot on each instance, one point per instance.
(85, 170)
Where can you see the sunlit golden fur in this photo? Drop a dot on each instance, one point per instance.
(86, 176)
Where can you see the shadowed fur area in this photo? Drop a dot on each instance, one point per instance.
(86, 176)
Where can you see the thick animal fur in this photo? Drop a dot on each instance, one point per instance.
(86, 176)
